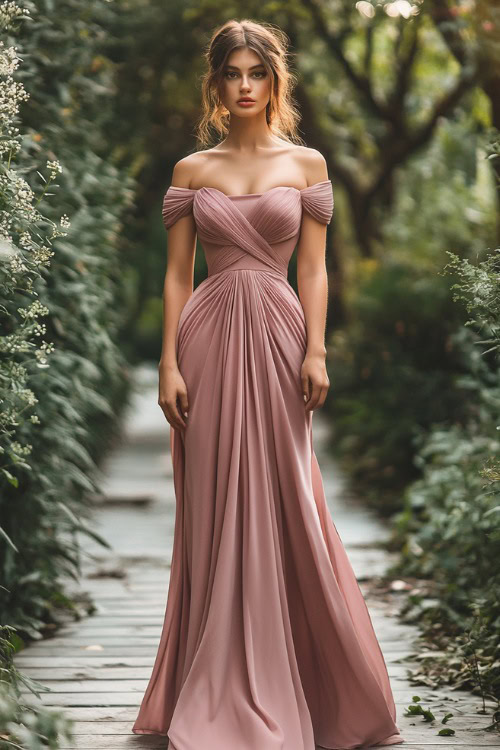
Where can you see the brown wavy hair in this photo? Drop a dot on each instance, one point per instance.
(271, 45)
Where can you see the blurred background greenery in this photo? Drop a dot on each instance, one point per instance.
(402, 100)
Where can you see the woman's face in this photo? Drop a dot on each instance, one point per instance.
(245, 77)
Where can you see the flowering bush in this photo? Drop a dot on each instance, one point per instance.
(62, 376)
(24, 251)
(25, 247)
(63, 379)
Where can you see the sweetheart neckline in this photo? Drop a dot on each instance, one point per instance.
(251, 195)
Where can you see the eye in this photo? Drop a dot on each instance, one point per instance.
(259, 73)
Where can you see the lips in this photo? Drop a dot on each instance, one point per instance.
(246, 100)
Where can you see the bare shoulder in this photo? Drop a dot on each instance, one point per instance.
(186, 167)
(313, 164)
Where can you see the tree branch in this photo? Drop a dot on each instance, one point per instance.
(420, 136)
(445, 22)
(333, 41)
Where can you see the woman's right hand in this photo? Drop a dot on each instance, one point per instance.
(172, 389)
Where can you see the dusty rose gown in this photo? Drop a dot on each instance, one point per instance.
(267, 642)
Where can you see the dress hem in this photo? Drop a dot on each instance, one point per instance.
(393, 739)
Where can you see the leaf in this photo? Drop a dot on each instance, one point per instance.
(8, 539)
(414, 710)
(14, 481)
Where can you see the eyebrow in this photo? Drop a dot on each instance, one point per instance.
(260, 65)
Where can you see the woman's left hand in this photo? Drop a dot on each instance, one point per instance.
(315, 382)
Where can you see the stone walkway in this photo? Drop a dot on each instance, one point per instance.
(98, 668)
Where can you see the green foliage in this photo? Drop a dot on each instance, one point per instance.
(443, 199)
(416, 709)
(450, 536)
(450, 526)
(22, 725)
(63, 379)
(393, 367)
(478, 289)
(397, 366)
(27, 728)
(449, 521)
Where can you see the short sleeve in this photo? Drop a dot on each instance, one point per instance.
(318, 201)
(177, 202)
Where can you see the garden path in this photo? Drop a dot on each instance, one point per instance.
(97, 669)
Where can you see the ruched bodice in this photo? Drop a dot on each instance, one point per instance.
(263, 236)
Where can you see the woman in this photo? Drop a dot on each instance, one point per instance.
(267, 642)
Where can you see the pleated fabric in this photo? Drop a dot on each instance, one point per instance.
(267, 642)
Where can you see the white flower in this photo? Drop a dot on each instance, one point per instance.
(54, 167)
(10, 12)
(7, 249)
(26, 394)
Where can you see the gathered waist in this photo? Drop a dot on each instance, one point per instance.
(269, 271)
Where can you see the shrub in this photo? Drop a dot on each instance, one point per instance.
(450, 526)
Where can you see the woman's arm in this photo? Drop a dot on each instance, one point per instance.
(177, 288)
(312, 282)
